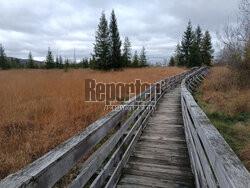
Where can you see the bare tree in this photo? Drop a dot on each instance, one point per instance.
(236, 39)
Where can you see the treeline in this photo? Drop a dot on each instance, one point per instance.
(107, 53)
(195, 49)
(50, 62)
(107, 48)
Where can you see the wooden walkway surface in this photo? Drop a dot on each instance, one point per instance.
(160, 157)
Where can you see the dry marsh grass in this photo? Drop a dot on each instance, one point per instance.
(40, 109)
(222, 89)
(228, 107)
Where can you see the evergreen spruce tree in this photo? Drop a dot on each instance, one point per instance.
(66, 65)
(49, 60)
(171, 62)
(101, 56)
(60, 62)
(115, 48)
(126, 52)
(92, 62)
(135, 60)
(143, 58)
(3, 59)
(195, 55)
(57, 62)
(195, 50)
(85, 63)
(186, 44)
(30, 62)
(206, 49)
(179, 56)
(17, 63)
(12, 63)
(199, 36)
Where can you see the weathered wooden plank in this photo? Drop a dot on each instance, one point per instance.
(189, 143)
(131, 185)
(170, 160)
(210, 180)
(181, 149)
(164, 125)
(167, 121)
(196, 164)
(167, 174)
(165, 132)
(170, 146)
(165, 161)
(161, 151)
(164, 128)
(183, 169)
(147, 181)
(166, 140)
(162, 138)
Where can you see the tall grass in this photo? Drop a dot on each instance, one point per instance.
(39, 109)
(227, 105)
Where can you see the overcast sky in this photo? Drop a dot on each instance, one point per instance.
(27, 25)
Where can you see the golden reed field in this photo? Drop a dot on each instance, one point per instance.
(40, 109)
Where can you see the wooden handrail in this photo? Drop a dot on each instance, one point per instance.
(124, 126)
(213, 162)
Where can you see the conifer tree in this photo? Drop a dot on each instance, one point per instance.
(3, 59)
(102, 54)
(143, 58)
(85, 63)
(66, 64)
(206, 49)
(12, 63)
(199, 36)
(179, 56)
(195, 55)
(186, 44)
(126, 52)
(60, 62)
(171, 62)
(30, 62)
(195, 50)
(135, 60)
(57, 62)
(115, 48)
(50, 60)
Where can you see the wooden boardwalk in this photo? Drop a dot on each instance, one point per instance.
(160, 157)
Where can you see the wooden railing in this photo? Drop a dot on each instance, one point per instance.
(213, 162)
(110, 139)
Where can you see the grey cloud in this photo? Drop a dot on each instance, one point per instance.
(27, 25)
